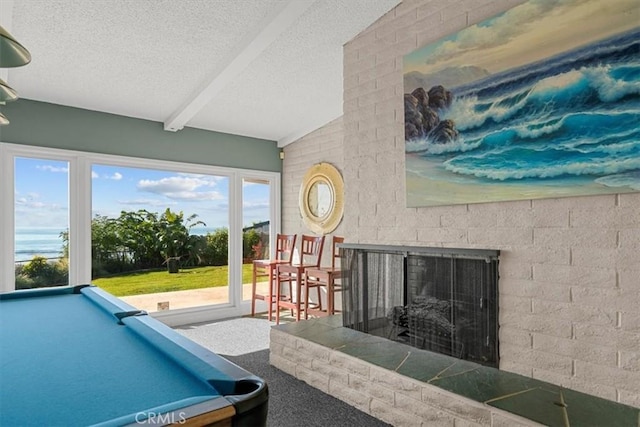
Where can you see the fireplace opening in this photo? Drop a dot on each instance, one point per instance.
(438, 299)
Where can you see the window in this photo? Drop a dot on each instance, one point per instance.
(118, 216)
(41, 212)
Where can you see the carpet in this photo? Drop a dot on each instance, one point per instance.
(292, 403)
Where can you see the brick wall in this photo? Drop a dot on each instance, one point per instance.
(569, 268)
(322, 145)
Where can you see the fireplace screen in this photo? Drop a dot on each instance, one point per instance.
(437, 299)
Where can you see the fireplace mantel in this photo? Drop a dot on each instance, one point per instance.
(489, 254)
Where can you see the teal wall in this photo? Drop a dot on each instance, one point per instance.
(56, 126)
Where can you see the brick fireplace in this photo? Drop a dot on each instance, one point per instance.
(437, 299)
(569, 266)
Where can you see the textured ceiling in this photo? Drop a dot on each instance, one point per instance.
(269, 69)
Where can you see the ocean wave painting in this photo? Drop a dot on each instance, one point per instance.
(541, 101)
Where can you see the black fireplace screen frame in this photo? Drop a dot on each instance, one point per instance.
(438, 299)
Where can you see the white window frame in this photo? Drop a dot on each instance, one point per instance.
(80, 184)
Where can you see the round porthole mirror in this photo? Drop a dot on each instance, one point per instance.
(321, 198)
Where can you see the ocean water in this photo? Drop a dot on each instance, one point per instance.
(44, 242)
(575, 114)
(47, 242)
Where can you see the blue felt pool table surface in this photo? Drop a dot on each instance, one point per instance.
(66, 358)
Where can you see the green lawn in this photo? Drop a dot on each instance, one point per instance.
(148, 282)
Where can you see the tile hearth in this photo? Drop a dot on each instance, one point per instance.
(404, 385)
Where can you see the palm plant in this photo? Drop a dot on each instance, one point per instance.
(173, 237)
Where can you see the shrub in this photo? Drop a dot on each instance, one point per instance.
(37, 267)
(40, 273)
(250, 242)
(217, 250)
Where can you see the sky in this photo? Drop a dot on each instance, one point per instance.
(42, 201)
(527, 33)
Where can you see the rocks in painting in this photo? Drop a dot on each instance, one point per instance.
(439, 98)
(411, 107)
(444, 132)
(421, 96)
(410, 131)
(421, 115)
(413, 127)
(430, 118)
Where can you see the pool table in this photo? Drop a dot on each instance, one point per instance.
(76, 356)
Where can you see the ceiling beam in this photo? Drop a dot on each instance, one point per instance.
(277, 22)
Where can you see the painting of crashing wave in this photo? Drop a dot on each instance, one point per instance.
(541, 101)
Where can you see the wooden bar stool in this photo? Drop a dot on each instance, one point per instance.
(285, 244)
(310, 256)
(325, 277)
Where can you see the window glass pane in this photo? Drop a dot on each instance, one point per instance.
(41, 222)
(160, 238)
(255, 229)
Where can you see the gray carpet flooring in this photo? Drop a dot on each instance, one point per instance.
(292, 403)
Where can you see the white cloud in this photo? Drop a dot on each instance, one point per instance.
(529, 32)
(183, 187)
(503, 29)
(255, 204)
(171, 184)
(50, 168)
(146, 202)
(31, 201)
(195, 195)
(117, 176)
(35, 213)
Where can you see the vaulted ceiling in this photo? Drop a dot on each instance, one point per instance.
(268, 69)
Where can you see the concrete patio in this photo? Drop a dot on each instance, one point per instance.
(188, 298)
